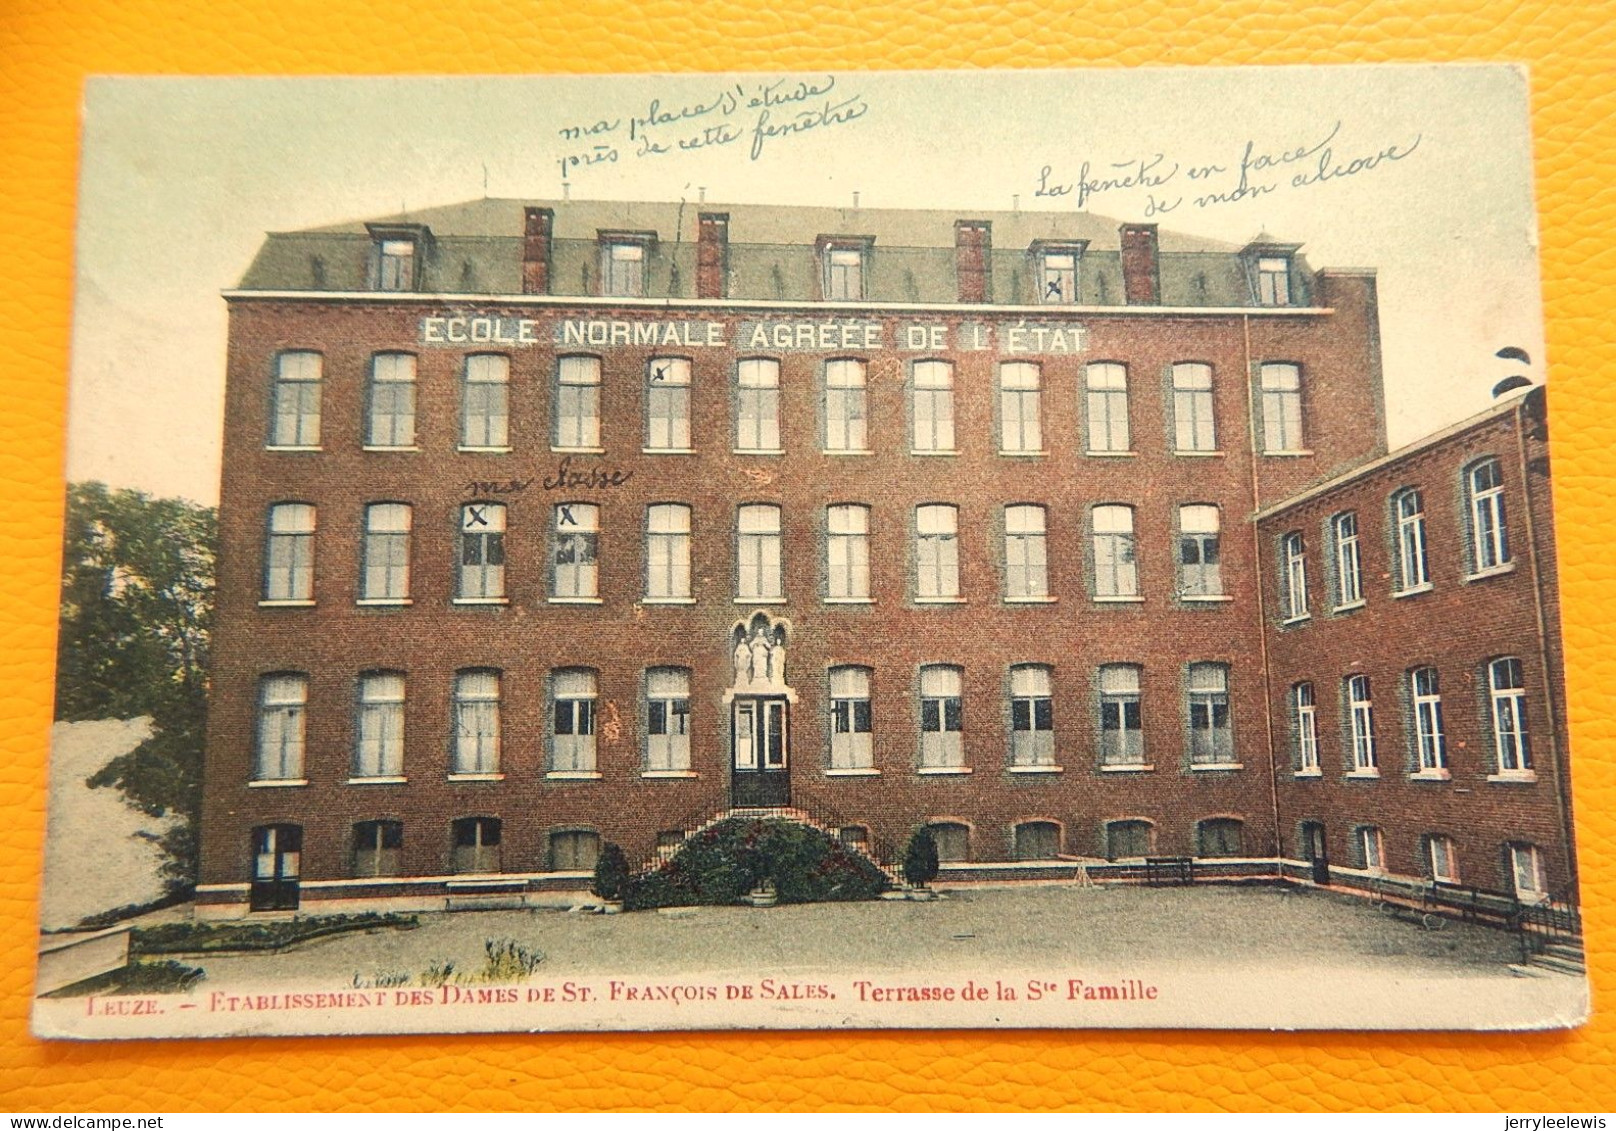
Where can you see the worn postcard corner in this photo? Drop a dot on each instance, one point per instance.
(809, 551)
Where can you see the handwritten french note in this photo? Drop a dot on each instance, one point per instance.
(1254, 169)
(743, 116)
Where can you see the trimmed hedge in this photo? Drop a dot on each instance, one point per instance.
(199, 938)
(720, 865)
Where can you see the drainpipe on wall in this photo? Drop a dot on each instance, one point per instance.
(1262, 602)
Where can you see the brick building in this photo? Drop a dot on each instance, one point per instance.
(544, 526)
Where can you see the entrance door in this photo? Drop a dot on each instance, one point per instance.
(760, 778)
(277, 855)
(1313, 845)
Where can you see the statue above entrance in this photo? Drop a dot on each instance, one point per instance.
(759, 655)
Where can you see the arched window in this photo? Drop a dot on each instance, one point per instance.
(390, 415)
(851, 740)
(933, 406)
(1348, 561)
(1200, 566)
(1489, 537)
(937, 553)
(1425, 695)
(1107, 383)
(1128, 840)
(476, 722)
(847, 552)
(1020, 408)
(1305, 729)
(1032, 716)
(385, 577)
(574, 850)
(1211, 736)
(1026, 557)
(282, 700)
(379, 749)
(941, 717)
(1293, 552)
(484, 402)
(846, 411)
(1122, 734)
(953, 841)
(294, 420)
(289, 555)
(1116, 574)
(476, 845)
(1413, 570)
(1282, 407)
(572, 741)
(480, 575)
(757, 405)
(667, 719)
(1361, 726)
(577, 552)
(759, 570)
(667, 552)
(1220, 836)
(577, 412)
(667, 404)
(1037, 840)
(1507, 693)
(1194, 428)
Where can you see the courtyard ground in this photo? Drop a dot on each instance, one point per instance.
(1028, 956)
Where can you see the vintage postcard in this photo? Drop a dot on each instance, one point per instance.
(1026, 549)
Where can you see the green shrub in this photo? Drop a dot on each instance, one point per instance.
(920, 858)
(719, 865)
(197, 938)
(611, 873)
(137, 978)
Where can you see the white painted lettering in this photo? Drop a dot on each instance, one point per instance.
(457, 329)
(432, 330)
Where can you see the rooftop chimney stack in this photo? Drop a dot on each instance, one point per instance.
(1141, 271)
(712, 254)
(536, 251)
(973, 246)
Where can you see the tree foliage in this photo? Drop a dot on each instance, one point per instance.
(137, 606)
(920, 864)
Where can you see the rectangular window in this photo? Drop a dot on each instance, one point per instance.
(1444, 861)
(1526, 870)
(622, 269)
(1211, 739)
(476, 845)
(1107, 406)
(667, 722)
(1508, 693)
(1348, 564)
(380, 749)
(1200, 572)
(1058, 274)
(476, 722)
(1194, 427)
(667, 405)
(757, 405)
(1305, 723)
(1032, 716)
(482, 552)
(295, 411)
(577, 535)
(1489, 538)
(386, 575)
(377, 846)
(395, 265)
(846, 413)
(844, 274)
(1294, 550)
(484, 402)
(1026, 565)
(1115, 572)
(1020, 408)
(667, 552)
(1371, 849)
(936, 553)
(760, 576)
(1125, 840)
(1427, 700)
(933, 406)
(847, 551)
(1361, 722)
(577, 414)
(289, 557)
(281, 717)
(1274, 280)
(941, 723)
(851, 745)
(573, 740)
(1412, 570)
(1122, 733)
(1282, 407)
(391, 415)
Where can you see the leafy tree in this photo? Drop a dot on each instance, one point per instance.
(137, 605)
(920, 858)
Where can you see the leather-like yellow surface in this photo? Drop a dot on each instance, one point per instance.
(47, 47)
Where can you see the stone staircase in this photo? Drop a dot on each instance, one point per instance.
(783, 813)
(1560, 956)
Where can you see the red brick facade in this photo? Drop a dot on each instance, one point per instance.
(332, 640)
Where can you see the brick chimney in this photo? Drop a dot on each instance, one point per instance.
(712, 254)
(973, 243)
(536, 251)
(1141, 274)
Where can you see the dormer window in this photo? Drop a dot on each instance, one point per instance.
(1274, 280)
(842, 266)
(622, 263)
(1270, 272)
(395, 257)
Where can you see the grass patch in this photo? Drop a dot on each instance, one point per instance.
(166, 977)
(504, 961)
(209, 938)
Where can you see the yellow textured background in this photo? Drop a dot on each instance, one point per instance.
(47, 47)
